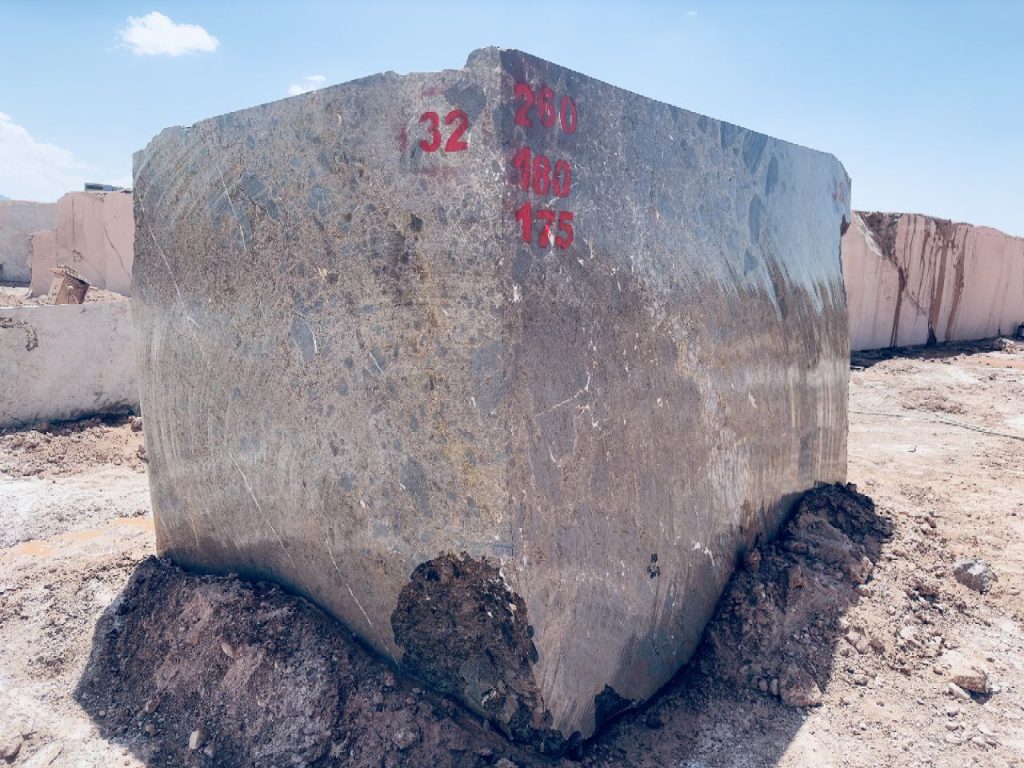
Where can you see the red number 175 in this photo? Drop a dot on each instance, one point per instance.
(563, 239)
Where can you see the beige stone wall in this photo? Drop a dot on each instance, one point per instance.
(911, 278)
(94, 234)
(18, 220)
(66, 362)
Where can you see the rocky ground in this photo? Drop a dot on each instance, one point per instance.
(855, 640)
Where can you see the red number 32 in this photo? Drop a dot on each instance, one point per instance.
(455, 141)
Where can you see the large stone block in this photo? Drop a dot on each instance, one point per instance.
(913, 279)
(94, 235)
(66, 362)
(502, 366)
(19, 219)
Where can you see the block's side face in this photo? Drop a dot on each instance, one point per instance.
(917, 279)
(678, 371)
(320, 338)
(66, 362)
(872, 280)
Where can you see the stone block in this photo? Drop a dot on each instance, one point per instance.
(19, 219)
(503, 366)
(66, 362)
(914, 279)
(94, 235)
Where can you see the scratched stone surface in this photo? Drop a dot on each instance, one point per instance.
(502, 366)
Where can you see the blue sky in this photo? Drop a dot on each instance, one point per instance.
(922, 101)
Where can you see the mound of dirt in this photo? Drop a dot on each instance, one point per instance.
(215, 671)
(69, 448)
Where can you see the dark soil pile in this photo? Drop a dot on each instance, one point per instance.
(191, 670)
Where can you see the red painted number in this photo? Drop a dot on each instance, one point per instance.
(562, 180)
(541, 174)
(535, 172)
(563, 241)
(546, 107)
(543, 103)
(455, 142)
(568, 115)
(432, 131)
(548, 217)
(525, 216)
(522, 164)
(524, 92)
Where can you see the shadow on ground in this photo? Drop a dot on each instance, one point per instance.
(215, 671)
(869, 357)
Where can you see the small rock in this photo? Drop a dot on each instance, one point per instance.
(209, 751)
(136, 423)
(974, 574)
(773, 687)
(860, 679)
(505, 763)
(752, 560)
(971, 678)
(958, 693)
(149, 729)
(797, 579)
(151, 705)
(798, 689)
(406, 737)
(227, 649)
(197, 739)
(10, 746)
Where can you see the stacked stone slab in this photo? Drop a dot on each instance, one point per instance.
(519, 463)
(913, 279)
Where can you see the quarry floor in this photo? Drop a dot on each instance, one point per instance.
(936, 439)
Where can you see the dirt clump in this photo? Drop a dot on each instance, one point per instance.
(69, 448)
(265, 678)
(201, 670)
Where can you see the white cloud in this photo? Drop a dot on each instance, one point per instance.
(155, 35)
(309, 83)
(32, 170)
(691, 13)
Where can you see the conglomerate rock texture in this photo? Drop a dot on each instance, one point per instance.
(503, 343)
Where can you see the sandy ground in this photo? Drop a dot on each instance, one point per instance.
(936, 439)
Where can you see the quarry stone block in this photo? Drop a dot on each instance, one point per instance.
(502, 366)
(914, 279)
(19, 219)
(66, 362)
(94, 235)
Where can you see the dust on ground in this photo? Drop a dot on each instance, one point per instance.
(849, 642)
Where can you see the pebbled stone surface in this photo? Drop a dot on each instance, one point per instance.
(354, 366)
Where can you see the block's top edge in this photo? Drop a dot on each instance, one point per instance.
(896, 215)
(486, 57)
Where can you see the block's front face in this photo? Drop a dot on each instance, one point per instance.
(507, 399)
(321, 338)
